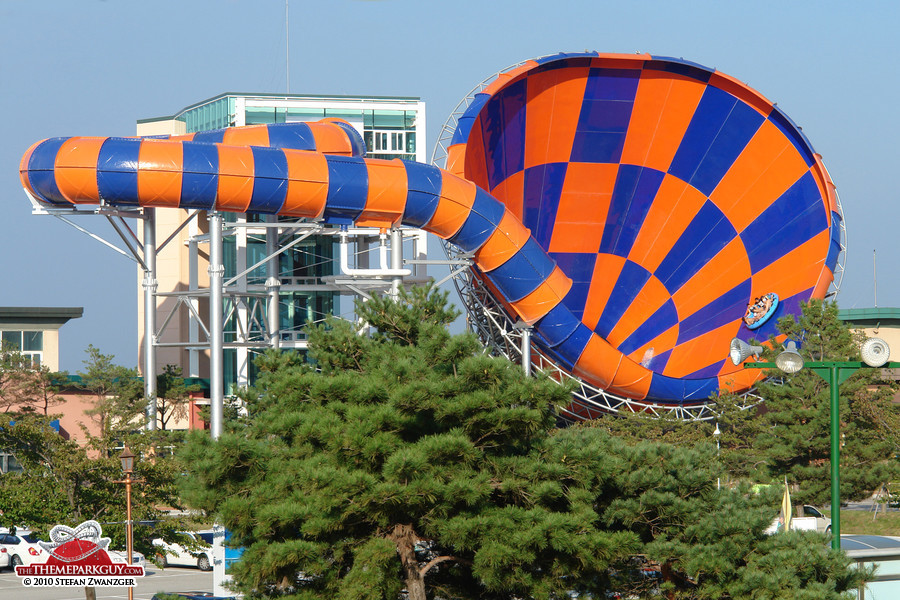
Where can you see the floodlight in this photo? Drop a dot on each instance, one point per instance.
(741, 351)
(875, 352)
(790, 360)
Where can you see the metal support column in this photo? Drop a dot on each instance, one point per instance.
(396, 260)
(216, 325)
(834, 385)
(150, 284)
(525, 347)
(273, 284)
(526, 350)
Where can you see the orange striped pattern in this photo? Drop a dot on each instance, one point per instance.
(663, 108)
(307, 184)
(602, 363)
(510, 192)
(235, 179)
(650, 299)
(542, 300)
(160, 169)
(554, 105)
(387, 194)
(252, 135)
(665, 222)
(330, 139)
(76, 169)
(606, 270)
(583, 206)
(507, 239)
(456, 201)
(766, 168)
(716, 278)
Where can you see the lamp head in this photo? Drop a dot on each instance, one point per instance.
(790, 360)
(127, 458)
(875, 352)
(741, 351)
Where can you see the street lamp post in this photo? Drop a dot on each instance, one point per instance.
(716, 435)
(127, 458)
(875, 353)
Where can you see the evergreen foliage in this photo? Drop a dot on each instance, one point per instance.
(118, 397)
(173, 396)
(788, 434)
(795, 434)
(67, 482)
(409, 464)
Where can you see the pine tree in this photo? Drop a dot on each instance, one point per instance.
(409, 464)
(173, 396)
(409, 453)
(118, 398)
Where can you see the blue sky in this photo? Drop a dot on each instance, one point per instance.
(94, 67)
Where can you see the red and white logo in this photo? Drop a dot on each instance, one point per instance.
(79, 557)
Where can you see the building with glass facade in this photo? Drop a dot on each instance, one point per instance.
(295, 259)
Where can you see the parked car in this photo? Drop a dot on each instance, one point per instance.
(823, 523)
(812, 520)
(175, 554)
(120, 556)
(21, 549)
(4, 558)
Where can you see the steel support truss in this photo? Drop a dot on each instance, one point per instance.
(249, 311)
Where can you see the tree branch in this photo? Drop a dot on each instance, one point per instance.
(441, 559)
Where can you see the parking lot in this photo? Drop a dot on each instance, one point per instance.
(172, 579)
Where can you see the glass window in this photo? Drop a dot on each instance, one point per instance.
(352, 116)
(256, 251)
(9, 464)
(258, 116)
(295, 115)
(33, 340)
(301, 308)
(389, 119)
(307, 261)
(12, 339)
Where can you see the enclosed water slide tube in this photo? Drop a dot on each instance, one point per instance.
(627, 207)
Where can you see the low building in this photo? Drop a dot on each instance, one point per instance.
(34, 332)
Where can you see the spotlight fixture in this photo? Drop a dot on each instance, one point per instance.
(790, 360)
(741, 351)
(875, 352)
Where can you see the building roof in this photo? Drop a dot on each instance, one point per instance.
(884, 315)
(870, 546)
(324, 97)
(39, 315)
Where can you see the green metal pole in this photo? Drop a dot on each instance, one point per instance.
(834, 384)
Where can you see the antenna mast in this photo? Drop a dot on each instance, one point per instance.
(875, 276)
(287, 46)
